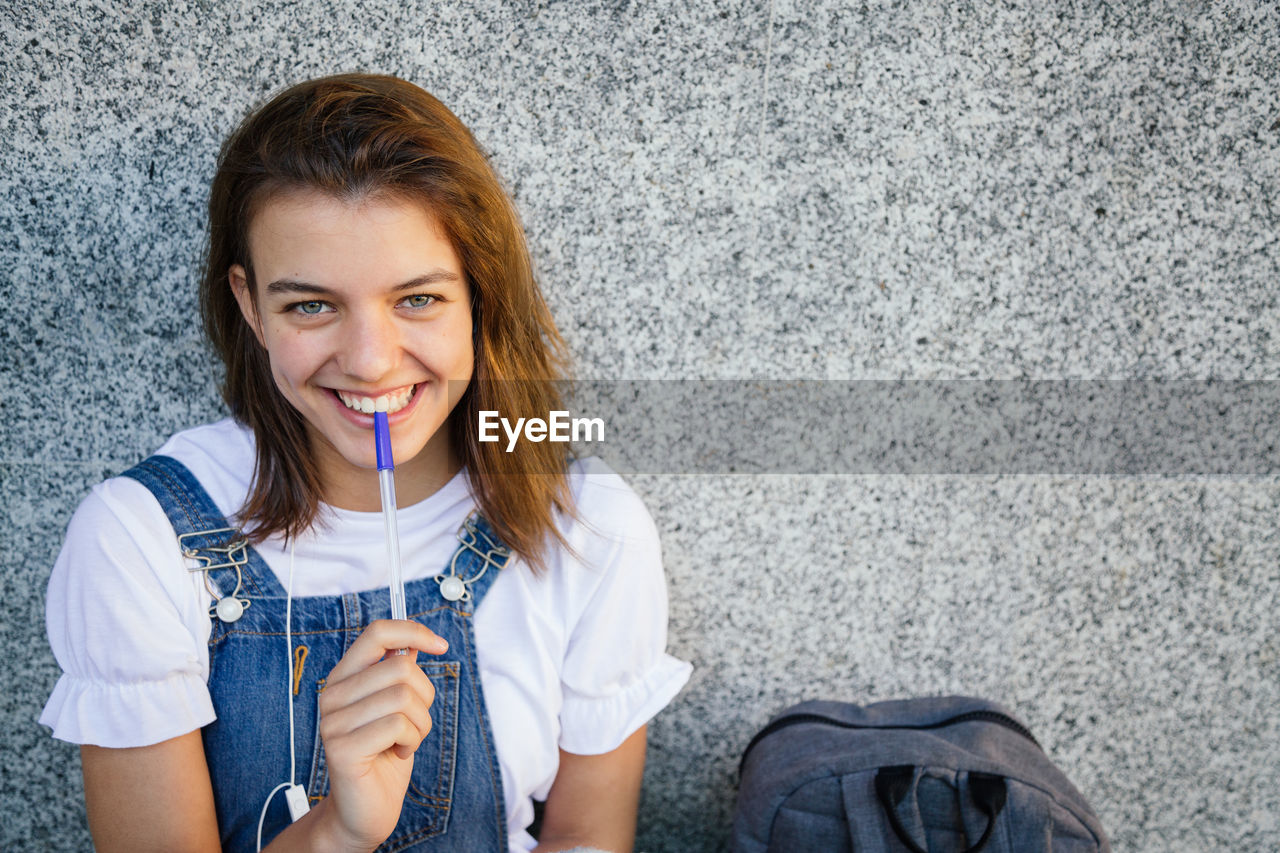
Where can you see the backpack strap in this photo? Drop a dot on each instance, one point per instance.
(893, 784)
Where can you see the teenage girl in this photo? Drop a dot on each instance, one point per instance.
(221, 611)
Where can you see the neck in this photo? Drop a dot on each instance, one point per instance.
(347, 486)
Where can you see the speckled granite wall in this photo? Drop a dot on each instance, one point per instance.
(822, 191)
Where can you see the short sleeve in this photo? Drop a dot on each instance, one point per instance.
(617, 674)
(124, 620)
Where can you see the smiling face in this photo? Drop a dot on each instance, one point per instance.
(356, 301)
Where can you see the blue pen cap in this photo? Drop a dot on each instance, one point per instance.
(382, 441)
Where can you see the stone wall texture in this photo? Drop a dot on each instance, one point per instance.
(744, 190)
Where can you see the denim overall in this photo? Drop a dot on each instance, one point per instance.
(454, 801)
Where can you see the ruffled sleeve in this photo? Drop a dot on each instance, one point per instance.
(127, 625)
(617, 674)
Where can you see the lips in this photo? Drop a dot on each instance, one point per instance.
(390, 402)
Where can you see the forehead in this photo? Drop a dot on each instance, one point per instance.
(332, 240)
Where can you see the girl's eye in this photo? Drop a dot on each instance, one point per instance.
(419, 300)
(309, 308)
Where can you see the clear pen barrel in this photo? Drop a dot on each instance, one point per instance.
(386, 480)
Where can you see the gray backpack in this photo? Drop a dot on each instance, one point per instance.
(934, 774)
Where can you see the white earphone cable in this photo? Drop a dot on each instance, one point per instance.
(288, 639)
(293, 759)
(263, 815)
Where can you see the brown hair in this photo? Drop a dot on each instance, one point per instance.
(352, 136)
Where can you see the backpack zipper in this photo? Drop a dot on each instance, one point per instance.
(967, 717)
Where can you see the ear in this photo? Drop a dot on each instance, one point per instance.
(239, 281)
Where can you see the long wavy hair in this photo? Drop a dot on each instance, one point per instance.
(353, 136)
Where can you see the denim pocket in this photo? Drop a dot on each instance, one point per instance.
(426, 803)
(425, 811)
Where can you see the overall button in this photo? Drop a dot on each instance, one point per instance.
(452, 588)
(229, 609)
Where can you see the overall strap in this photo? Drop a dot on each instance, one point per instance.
(207, 539)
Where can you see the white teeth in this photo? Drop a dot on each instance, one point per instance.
(386, 403)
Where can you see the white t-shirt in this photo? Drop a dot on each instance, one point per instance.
(573, 659)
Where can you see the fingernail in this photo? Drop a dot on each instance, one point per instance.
(442, 645)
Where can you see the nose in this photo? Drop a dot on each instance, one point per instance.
(370, 348)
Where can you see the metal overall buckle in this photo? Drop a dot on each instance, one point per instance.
(231, 553)
(455, 588)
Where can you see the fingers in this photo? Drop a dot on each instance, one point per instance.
(378, 696)
(371, 685)
(395, 669)
(383, 637)
(396, 733)
(362, 723)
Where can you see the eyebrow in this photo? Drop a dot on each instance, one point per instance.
(289, 285)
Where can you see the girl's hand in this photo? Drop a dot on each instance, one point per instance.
(374, 711)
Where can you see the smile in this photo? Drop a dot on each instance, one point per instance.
(392, 402)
